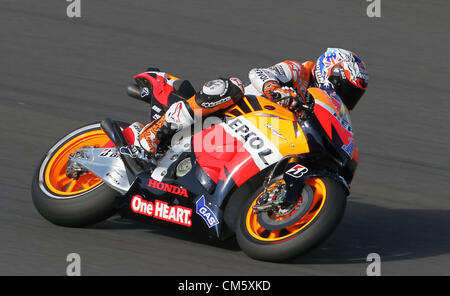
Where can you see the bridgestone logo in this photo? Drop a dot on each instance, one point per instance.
(167, 188)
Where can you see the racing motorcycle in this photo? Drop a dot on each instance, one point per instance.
(276, 179)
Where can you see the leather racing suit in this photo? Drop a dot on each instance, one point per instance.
(286, 79)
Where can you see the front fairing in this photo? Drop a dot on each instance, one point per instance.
(333, 119)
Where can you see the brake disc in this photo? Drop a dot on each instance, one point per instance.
(266, 221)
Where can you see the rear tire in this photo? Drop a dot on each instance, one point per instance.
(78, 207)
(325, 218)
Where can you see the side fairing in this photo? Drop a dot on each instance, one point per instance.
(256, 134)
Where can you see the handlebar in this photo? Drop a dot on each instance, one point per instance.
(296, 103)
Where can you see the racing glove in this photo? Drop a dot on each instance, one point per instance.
(274, 92)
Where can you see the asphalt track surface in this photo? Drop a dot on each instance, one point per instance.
(58, 73)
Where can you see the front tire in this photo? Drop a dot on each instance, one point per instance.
(285, 239)
(65, 201)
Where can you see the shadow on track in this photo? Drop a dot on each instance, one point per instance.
(118, 223)
(395, 234)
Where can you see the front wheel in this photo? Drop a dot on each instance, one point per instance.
(69, 202)
(275, 236)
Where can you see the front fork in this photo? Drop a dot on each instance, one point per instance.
(294, 177)
(283, 196)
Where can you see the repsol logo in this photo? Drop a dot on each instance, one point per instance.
(246, 134)
(255, 142)
(167, 187)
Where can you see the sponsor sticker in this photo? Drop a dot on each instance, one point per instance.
(167, 187)
(145, 92)
(279, 71)
(214, 104)
(275, 132)
(206, 213)
(263, 151)
(109, 152)
(162, 211)
(262, 74)
(130, 151)
(297, 171)
(238, 83)
(156, 109)
(348, 148)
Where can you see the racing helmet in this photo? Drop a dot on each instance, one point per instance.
(343, 71)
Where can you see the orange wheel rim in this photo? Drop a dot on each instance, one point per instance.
(55, 176)
(257, 231)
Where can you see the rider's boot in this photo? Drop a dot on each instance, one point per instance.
(177, 117)
(132, 132)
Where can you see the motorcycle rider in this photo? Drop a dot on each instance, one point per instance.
(337, 70)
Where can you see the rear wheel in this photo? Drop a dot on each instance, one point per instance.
(66, 201)
(279, 236)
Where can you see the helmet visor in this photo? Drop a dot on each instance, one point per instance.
(349, 94)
